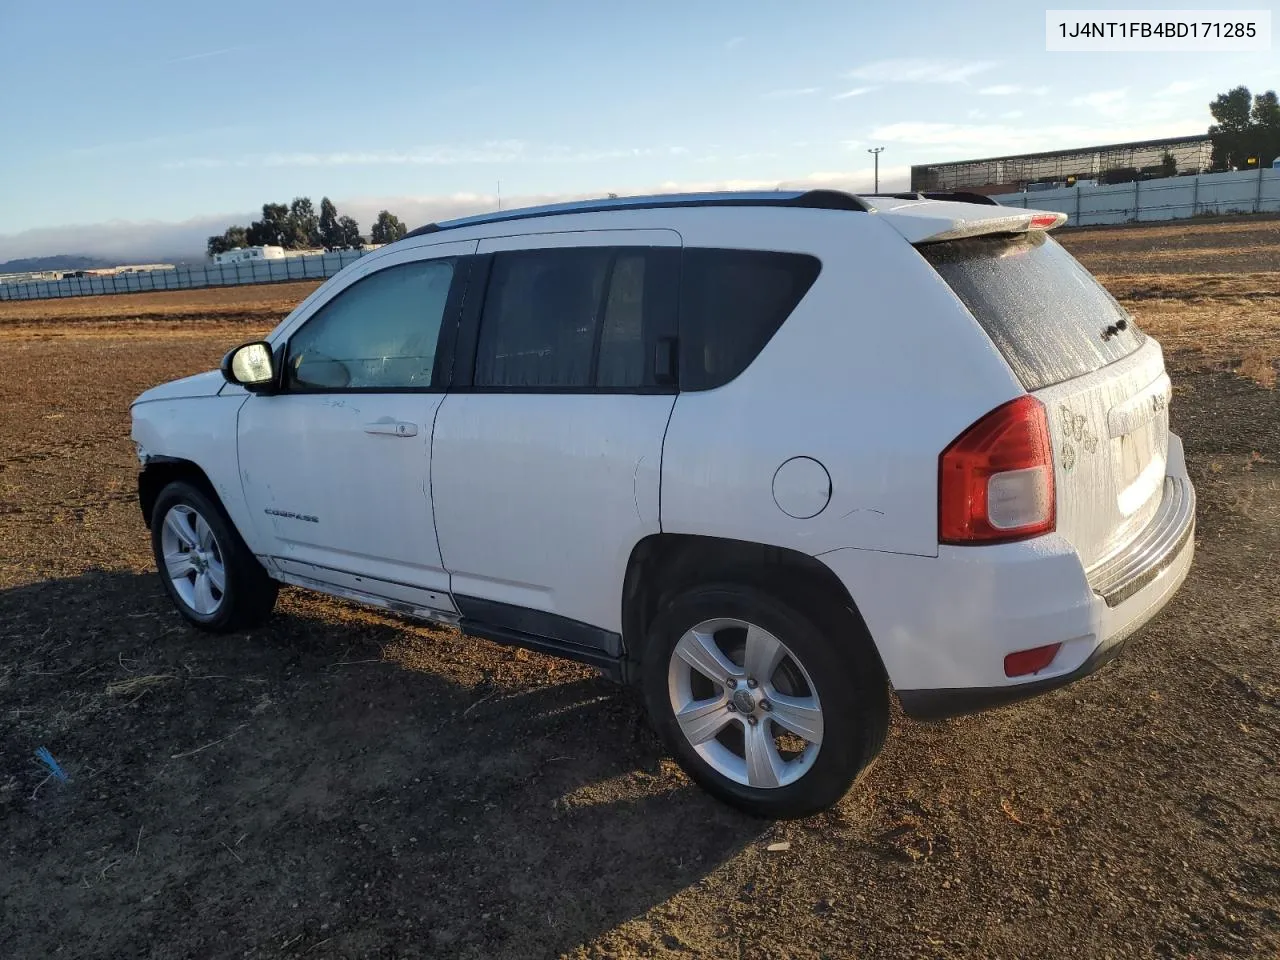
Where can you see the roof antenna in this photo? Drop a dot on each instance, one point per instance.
(499, 194)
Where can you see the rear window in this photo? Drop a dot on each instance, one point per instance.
(1046, 313)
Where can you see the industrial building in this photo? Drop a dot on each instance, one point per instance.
(1110, 163)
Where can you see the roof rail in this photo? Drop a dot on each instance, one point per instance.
(809, 199)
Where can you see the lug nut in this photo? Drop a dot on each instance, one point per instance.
(766, 705)
(752, 720)
(731, 707)
(751, 682)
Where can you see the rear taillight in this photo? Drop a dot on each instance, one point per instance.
(995, 481)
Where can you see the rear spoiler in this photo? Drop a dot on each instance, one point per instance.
(922, 219)
(960, 197)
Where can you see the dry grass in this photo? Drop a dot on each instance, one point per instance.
(1209, 321)
(1260, 365)
(211, 303)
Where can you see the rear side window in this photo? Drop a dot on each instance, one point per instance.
(1046, 313)
(731, 303)
(581, 318)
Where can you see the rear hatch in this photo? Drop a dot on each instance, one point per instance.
(1073, 347)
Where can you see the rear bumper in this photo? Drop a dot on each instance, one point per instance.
(944, 625)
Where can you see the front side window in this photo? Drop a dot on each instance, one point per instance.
(378, 334)
(576, 318)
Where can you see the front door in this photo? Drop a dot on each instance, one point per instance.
(335, 467)
(547, 454)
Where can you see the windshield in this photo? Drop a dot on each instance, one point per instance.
(1045, 312)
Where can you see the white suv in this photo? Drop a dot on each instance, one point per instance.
(762, 455)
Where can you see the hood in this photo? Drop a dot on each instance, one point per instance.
(201, 385)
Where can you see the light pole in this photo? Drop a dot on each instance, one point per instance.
(875, 152)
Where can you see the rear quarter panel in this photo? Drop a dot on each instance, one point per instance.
(874, 373)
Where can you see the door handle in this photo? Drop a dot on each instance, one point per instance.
(392, 428)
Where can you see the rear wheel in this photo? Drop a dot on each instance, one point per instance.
(213, 579)
(774, 710)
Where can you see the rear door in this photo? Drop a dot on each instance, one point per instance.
(1102, 381)
(546, 459)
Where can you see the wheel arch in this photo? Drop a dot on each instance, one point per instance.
(158, 472)
(663, 564)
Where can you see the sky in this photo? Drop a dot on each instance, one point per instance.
(136, 129)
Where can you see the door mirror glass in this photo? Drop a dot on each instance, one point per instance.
(250, 365)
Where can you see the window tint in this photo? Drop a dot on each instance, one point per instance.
(1045, 312)
(379, 333)
(731, 303)
(576, 318)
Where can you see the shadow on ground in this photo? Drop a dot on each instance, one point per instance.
(289, 790)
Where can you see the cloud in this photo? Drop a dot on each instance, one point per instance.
(1177, 88)
(1012, 90)
(207, 54)
(148, 240)
(196, 163)
(152, 144)
(1011, 115)
(790, 93)
(124, 240)
(999, 139)
(498, 151)
(1107, 103)
(855, 92)
(733, 42)
(977, 114)
(919, 70)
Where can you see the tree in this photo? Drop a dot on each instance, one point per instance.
(330, 234)
(230, 239)
(273, 230)
(304, 225)
(1168, 165)
(388, 229)
(1247, 127)
(1266, 118)
(349, 234)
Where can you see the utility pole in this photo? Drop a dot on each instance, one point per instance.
(875, 152)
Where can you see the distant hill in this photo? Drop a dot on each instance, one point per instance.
(67, 261)
(61, 261)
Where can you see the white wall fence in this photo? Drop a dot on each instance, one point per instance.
(310, 266)
(1169, 198)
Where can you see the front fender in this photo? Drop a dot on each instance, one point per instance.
(201, 431)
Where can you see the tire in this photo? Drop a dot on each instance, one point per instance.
(213, 579)
(827, 661)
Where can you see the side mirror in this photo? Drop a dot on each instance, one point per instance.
(251, 366)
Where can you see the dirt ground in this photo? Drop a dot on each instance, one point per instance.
(342, 783)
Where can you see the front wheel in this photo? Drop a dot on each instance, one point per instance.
(213, 579)
(771, 709)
